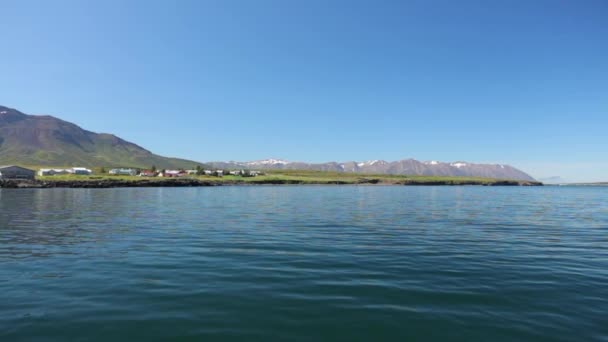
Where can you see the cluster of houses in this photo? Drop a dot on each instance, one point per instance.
(71, 171)
(185, 173)
(18, 172)
(123, 172)
(148, 173)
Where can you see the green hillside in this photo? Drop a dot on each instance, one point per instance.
(48, 141)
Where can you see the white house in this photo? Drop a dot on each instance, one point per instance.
(218, 172)
(53, 172)
(174, 173)
(245, 173)
(46, 172)
(80, 171)
(123, 172)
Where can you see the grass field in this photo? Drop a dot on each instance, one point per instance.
(293, 177)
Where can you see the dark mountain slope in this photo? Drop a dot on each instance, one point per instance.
(49, 141)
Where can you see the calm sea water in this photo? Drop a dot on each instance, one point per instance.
(304, 263)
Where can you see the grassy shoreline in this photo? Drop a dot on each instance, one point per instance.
(271, 178)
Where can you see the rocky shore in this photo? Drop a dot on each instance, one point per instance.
(191, 182)
(107, 183)
(453, 183)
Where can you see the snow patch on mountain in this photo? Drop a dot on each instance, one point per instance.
(268, 162)
(371, 162)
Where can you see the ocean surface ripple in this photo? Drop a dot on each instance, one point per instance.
(304, 263)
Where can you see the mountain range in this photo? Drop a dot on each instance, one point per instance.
(401, 167)
(43, 140)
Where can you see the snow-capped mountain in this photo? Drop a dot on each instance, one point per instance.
(401, 167)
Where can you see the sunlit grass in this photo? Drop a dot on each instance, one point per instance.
(289, 177)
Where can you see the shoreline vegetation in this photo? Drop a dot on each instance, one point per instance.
(283, 177)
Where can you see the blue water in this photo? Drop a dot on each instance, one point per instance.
(304, 263)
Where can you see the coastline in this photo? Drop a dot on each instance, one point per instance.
(195, 182)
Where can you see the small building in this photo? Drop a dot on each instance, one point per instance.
(192, 172)
(171, 173)
(241, 173)
(54, 172)
(175, 173)
(216, 173)
(245, 173)
(148, 173)
(16, 172)
(46, 172)
(80, 171)
(72, 171)
(123, 172)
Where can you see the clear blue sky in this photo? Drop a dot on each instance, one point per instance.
(523, 82)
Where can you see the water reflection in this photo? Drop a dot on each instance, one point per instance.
(35, 221)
